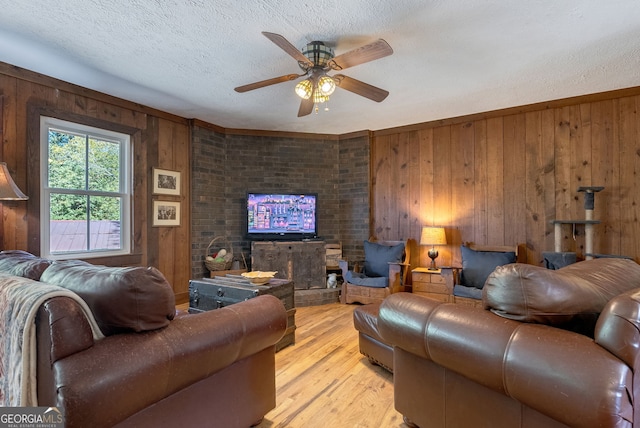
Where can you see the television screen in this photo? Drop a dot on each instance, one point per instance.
(273, 216)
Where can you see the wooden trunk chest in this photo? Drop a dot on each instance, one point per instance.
(208, 294)
(303, 262)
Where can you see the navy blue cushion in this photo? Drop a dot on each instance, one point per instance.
(468, 292)
(478, 265)
(377, 258)
(365, 281)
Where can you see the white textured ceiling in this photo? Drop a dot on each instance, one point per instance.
(451, 57)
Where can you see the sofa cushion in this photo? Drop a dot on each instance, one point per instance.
(356, 278)
(377, 258)
(468, 292)
(477, 265)
(121, 298)
(571, 297)
(21, 263)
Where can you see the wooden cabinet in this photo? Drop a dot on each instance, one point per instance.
(303, 262)
(431, 283)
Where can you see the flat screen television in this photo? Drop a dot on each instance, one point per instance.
(282, 216)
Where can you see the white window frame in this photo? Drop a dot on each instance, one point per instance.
(125, 192)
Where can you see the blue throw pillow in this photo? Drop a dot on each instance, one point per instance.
(377, 258)
(478, 265)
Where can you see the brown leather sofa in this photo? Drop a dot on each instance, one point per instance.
(550, 349)
(153, 367)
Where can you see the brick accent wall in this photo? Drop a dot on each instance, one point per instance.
(354, 196)
(225, 167)
(207, 194)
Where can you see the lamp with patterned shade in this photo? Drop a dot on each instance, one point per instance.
(432, 236)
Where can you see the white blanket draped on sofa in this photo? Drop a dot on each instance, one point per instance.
(20, 299)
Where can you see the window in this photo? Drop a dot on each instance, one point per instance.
(85, 191)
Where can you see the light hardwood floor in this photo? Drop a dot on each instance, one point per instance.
(323, 381)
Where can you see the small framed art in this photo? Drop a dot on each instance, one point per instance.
(166, 213)
(166, 182)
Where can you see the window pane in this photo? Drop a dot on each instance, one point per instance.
(66, 161)
(104, 166)
(105, 223)
(68, 207)
(68, 226)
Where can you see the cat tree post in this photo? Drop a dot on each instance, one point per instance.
(589, 205)
(557, 236)
(589, 222)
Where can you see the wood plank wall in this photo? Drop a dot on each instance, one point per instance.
(499, 178)
(492, 178)
(160, 140)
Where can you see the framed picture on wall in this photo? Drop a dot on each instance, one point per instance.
(166, 182)
(166, 213)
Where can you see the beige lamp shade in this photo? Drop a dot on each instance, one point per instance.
(8, 189)
(433, 236)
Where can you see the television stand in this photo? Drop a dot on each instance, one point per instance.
(303, 262)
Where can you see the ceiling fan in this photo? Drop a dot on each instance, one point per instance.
(316, 60)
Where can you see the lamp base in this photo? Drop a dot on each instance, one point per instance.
(433, 255)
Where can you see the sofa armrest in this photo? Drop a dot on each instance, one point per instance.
(451, 276)
(396, 276)
(568, 377)
(356, 266)
(62, 329)
(618, 327)
(344, 267)
(132, 371)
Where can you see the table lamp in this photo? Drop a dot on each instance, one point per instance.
(9, 191)
(433, 236)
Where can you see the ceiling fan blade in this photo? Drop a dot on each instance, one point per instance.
(268, 82)
(306, 107)
(286, 46)
(357, 87)
(376, 50)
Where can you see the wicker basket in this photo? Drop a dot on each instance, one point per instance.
(227, 261)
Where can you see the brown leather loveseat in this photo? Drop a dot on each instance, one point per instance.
(549, 349)
(147, 366)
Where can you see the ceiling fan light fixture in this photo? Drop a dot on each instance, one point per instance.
(318, 53)
(304, 89)
(319, 98)
(326, 85)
